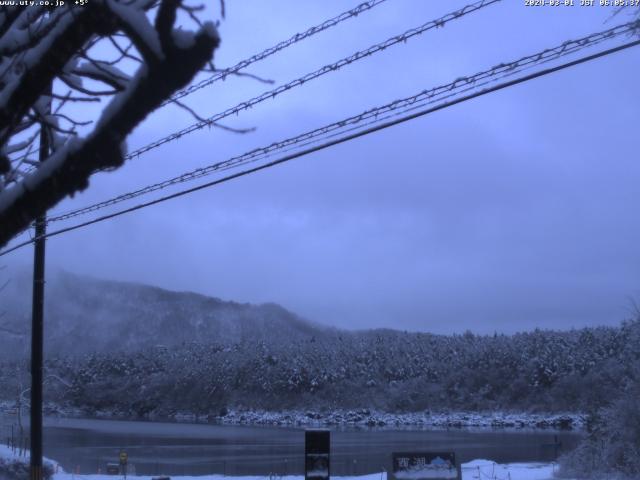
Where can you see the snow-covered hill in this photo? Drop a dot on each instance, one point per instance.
(86, 315)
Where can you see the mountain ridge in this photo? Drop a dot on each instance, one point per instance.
(86, 314)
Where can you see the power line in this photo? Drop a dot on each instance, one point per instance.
(327, 24)
(401, 38)
(335, 142)
(271, 94)
(222, 75)
(375, 115)
(506, 68)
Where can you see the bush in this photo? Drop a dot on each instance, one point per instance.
(17, 469)
(612, 446)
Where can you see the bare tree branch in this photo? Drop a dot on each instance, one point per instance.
(170, 59)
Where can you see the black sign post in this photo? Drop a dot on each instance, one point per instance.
(424, 465)
(317, 444)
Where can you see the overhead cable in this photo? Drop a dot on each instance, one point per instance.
(368, 117)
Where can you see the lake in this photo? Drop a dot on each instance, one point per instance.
(86, 445)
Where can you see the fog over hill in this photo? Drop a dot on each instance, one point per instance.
(222, 355)
(84, 314)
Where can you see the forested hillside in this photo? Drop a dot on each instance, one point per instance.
(576, 370)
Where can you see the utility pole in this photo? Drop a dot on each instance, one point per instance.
(37, 323)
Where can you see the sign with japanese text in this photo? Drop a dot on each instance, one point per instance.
(424, 465)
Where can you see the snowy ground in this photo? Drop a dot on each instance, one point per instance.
(474, 470)
(8, 454)
(16, 461)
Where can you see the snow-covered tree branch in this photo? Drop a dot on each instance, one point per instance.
(107, 50)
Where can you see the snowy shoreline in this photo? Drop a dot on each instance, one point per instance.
(372, 418)
(15, 467)
(365, 418)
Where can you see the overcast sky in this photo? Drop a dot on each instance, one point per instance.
(509, 212)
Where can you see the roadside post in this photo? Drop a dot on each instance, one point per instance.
(124, 458)
(555, 446)
(424, 465)
(317, 446)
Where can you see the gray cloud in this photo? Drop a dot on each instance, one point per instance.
(509, 212)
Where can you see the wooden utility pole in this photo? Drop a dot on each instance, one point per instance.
(37, 325)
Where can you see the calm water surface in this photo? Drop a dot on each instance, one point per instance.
(198, 449)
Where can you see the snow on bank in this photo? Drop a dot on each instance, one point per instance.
(15, 464)
(10, 454)
(474, 470)
(369, 418)
(488, 470)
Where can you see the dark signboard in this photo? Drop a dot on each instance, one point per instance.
(424, 465)
(317, 444)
